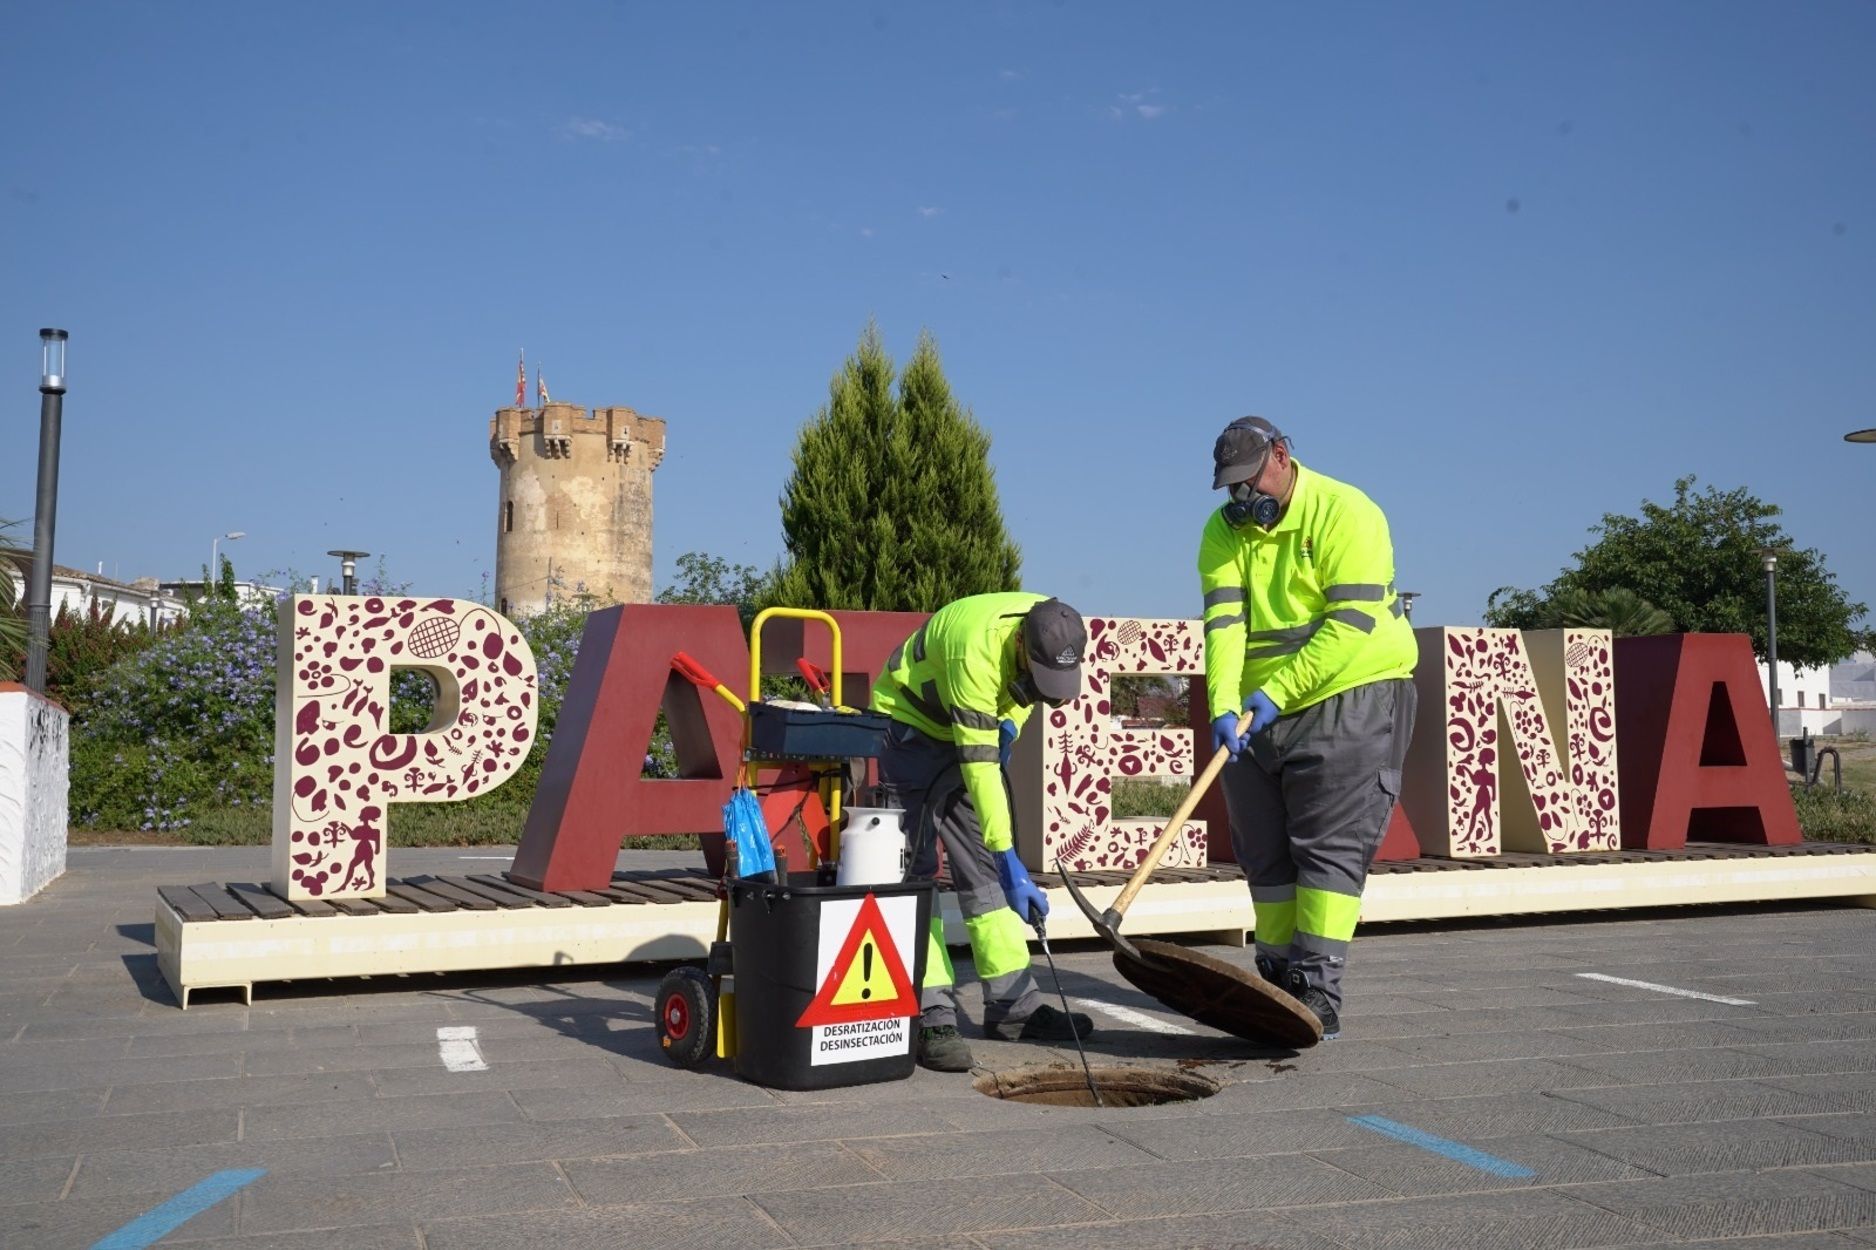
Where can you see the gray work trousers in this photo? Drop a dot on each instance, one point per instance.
(924, 772)
(1309, 803)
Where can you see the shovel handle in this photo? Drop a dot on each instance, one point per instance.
(1158, 850)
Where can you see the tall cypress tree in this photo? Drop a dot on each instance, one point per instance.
(892, 505)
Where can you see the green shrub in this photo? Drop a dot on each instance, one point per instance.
(1827, 816)
(1147, 798)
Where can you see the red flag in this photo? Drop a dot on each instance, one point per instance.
(521, 381)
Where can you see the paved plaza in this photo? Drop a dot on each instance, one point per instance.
(1497, 1085)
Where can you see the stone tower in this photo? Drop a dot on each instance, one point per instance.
(575, 510)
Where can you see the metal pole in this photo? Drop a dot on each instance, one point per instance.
(1771, 642)
(45, 514)
(348, 567)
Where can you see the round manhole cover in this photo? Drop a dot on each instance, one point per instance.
(1120, 1087)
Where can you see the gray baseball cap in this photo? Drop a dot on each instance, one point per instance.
(1240, 450)
(1055, 639)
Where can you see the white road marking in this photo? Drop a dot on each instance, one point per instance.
(1138, 1019)
(456, 1045)
(485, 857)
(1666, 989)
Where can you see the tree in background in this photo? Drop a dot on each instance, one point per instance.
(704, 578)
(1619, 610)
(12, 614)
(1697, 562)
(892, 505)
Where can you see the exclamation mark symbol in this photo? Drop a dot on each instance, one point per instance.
(866, 969)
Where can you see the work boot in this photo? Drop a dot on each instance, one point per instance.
(1317, 1001)
(1274, 970)
(943, 1049)
(1044, 1024)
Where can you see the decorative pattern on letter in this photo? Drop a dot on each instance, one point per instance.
(1083, 750)
(1559, 800)
(336, 769)
(1577, 666)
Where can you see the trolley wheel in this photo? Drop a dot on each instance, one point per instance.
(687, 1016)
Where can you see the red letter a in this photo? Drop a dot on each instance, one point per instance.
(1699, 759)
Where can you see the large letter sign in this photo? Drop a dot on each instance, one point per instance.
(337, 769)
(1484, 733)
(1083, 749)
(592, 792)
(1702, 759)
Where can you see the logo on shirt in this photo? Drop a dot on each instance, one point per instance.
(1309, 552)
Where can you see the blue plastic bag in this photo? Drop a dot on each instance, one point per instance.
(744, 827)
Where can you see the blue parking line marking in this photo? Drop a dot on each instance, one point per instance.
(1440, 1146)
(159, 1222)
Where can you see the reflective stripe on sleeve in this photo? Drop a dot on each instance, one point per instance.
(971, 718)
(1354, 616)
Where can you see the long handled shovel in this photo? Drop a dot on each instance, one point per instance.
(1237, 1000)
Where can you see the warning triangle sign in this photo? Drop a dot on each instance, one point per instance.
(868, 980)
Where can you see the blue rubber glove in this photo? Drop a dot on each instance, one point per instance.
(1024, 898)
(1225, 735)
(1263, 712)
(1006, 739)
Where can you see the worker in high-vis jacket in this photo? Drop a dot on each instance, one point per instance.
(1305, 631)
(959, 691)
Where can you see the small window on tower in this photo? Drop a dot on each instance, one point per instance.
(508, 517)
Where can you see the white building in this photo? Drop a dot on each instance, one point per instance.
(76, 591)
(1825, 699)
(145, 600)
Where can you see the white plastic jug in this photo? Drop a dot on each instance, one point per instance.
(872, 847)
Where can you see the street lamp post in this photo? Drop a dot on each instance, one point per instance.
(214, 557)
(46, 506)
(1407, 598)
(1768, 556)
(348, 565)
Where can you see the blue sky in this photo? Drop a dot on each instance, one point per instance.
(1506, 267)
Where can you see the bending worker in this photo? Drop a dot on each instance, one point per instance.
(959, 691)
(1304, 630)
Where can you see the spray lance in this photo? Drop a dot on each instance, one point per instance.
(1036, 919)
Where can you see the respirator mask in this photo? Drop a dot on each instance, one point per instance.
(1250, 506)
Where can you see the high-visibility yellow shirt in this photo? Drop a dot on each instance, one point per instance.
(951, 681)
(1305, 609)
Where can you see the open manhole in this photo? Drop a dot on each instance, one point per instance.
(1120, 1087)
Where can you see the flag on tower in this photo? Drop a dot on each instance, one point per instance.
(540, 384)
(521, 380)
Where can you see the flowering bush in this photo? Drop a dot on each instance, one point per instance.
(185, 724)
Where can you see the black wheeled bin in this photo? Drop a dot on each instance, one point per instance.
(827, 981)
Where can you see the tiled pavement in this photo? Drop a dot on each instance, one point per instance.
(1644, 1119)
